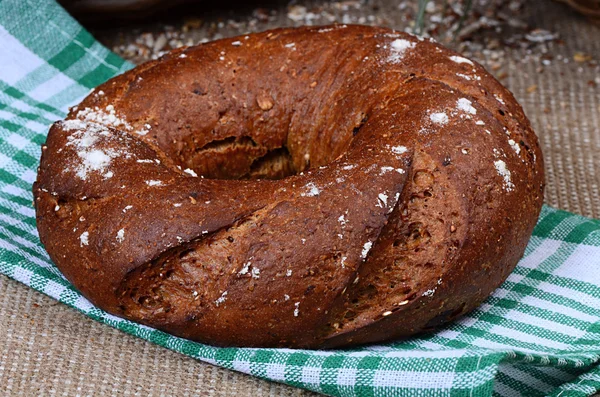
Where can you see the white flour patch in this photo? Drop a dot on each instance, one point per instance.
(91, 158)
(430, 292)
(95, 160)
(121, 235)
(297, 309)
(312, 190)
(221, 299)
(515, 146)
(107, 117)
(505, 174)
(146, 129)
(466, 106)
(84, 239)
(398, 48)
(439, 118)
(190, 172)
(245, 269)
(399, 149)
(92, 126)
(458, 59)
(366, 249)
(154, 183)
(382, 197)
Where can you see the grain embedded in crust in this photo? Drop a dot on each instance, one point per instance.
(406, 182)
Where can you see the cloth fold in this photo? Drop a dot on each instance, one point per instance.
(538, 334)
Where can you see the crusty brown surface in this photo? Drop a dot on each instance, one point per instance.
(397, 219)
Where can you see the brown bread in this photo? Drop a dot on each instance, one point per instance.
(313, 187)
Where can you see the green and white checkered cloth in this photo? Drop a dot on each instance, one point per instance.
(539, 334)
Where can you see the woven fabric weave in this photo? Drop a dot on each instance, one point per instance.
(539, 334)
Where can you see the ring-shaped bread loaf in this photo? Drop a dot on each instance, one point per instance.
(310, 187)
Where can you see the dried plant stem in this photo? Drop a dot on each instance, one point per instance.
(420, 22)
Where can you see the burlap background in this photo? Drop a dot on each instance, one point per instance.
(49, 349)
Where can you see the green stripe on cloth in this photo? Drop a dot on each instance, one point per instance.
(538, 334)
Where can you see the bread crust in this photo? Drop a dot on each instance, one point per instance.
(359, 185)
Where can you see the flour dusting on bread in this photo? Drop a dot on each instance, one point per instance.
(398, 49)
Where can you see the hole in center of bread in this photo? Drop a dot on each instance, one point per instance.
(237, 158)
(242, 157)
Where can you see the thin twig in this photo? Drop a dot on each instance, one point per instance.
(420, 22)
